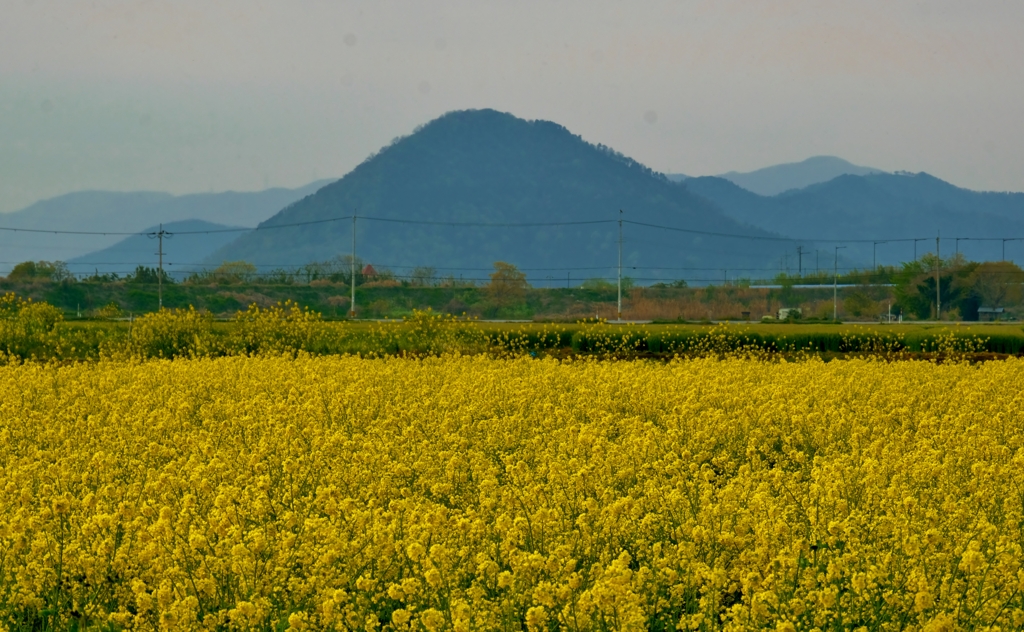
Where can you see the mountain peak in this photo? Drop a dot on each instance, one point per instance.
(796, 175)
(497, 172)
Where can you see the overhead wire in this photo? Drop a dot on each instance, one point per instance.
(264, 227)
(454, 223)
(384, 266)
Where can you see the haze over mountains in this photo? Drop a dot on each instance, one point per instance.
(793, 175)
(796, 175)
(184, 249)
(414, 198)
(97, 211)
(879, 206)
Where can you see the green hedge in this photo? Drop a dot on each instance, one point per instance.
(690, 341)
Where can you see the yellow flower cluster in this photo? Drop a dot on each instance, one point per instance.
(26, 327)
(461, 493)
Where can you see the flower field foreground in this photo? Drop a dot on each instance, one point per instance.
(479, 493)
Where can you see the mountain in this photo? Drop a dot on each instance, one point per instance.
(795, 175)
(187, 245)
(676, 177)
(488, 167)
(96, 211)
(880, 206)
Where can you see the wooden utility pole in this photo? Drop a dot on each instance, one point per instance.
(835, 285)
(160, 272)
(874, 254)
(620, 266)
(352, 268)
(159, 236)
(938, 291)
(800, 261)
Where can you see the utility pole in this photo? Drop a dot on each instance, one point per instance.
(352, 267)
(160, 273)
(835, 285)
(938, 292)
(1004, 246)
(159, 236)
(800, 261)
(620, 265)
(874, 257)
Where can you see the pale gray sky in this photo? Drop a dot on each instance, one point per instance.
(194, 95)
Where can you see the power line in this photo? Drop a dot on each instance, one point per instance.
(307, 223)
(384, 266)
(486, 224)
(758, 237)
(498, 225)
(850, 271)
(262, 227)
(177, 232)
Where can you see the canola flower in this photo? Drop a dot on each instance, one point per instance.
(476, 493)
(37, 332)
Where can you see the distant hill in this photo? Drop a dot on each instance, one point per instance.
(491, 167)
(127, 212)
(795, 175)
(879, 206)
(182, 251)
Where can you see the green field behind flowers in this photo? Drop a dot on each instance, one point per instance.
(39, 331)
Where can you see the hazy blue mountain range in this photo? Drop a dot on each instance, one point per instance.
(96, 211)
(795, 175)
(879, 206)
(491, 167)
(183, 250)
(487, 167)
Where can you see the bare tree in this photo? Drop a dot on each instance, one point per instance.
(508, 283)
(423, 276)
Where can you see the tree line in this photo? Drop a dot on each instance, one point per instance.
(910, 289)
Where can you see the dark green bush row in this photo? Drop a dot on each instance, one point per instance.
(813, 342)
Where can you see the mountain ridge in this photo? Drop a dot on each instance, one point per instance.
(180, 255)
(881, 206)
(97, 211)
(776, 179)
(484, 166)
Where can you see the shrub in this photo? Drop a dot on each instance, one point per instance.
(27, 328)
(284, 327)
(110, 311)
(170, 333)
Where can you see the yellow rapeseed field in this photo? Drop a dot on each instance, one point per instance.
(474, 493)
